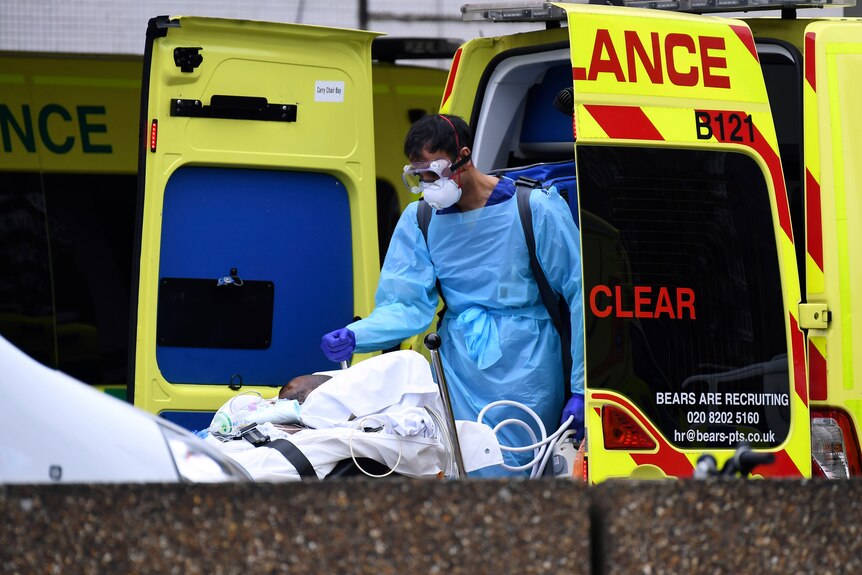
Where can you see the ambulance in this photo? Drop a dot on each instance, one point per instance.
(69, 126)
(713, 199)
(718, 198)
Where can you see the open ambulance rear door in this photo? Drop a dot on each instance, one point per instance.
(257, 223)
(833, 148)
(690, 288)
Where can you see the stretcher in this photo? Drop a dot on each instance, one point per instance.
(382, 416)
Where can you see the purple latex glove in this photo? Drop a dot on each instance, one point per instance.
(338, 345)
(575, 408)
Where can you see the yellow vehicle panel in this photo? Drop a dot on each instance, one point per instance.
(653, 81)
(73, 113)
(463, 84)
(258, 223)
(833, 64)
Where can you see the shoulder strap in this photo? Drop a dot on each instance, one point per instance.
(524, 187)
(423, 218)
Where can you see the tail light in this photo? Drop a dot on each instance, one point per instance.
(620, 431)
(834, 445)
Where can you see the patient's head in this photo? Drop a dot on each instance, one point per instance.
(299, 387)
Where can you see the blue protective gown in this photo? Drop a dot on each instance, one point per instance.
(498, 341)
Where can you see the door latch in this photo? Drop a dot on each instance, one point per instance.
(814, 316)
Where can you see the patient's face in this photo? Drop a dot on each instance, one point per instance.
(299, 387)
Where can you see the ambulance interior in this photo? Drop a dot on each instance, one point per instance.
(518, 123)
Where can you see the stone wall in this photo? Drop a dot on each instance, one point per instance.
(400, 526)
(349, 526)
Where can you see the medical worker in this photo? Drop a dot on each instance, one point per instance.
(498, 341)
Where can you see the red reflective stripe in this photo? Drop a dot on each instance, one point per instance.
(810, 70)
(744, 34)
(667, 458)
(783, 466)
(816, 373)
(774, 164)
(798, 343)
(624, 122)
(453, 70)
(813, 220)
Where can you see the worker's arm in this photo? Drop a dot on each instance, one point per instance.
(406, 297)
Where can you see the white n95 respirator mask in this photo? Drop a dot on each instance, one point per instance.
(433, 180)
(441, 194)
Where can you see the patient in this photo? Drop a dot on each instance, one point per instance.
(299, 387)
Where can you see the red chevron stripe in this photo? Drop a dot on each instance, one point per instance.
(813, 220)
(624, 122)
(798, 343)
(744, 34)
(453, 71)
(816, 374)
(783, 466)
(810, 70)
(774, 164)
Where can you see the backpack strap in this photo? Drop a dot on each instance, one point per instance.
(552, 301)
(423, 218)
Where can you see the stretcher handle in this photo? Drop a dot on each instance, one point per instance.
(432, 343)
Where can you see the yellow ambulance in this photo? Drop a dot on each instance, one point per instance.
(69, 126)
(68, 148)
(717, 199)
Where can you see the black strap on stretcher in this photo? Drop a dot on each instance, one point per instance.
(296, 457)
(290, 452)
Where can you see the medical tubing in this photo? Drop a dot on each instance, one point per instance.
(538, 471)
(445, 439)
(542, 447)
(383, 428)
(539, 452)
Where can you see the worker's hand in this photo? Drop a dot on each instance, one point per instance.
(338, 345)
(575, 408)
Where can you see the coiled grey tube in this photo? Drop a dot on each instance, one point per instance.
(432, 342)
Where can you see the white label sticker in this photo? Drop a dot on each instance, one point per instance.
(328, 91)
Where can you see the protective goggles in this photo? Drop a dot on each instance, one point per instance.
(416, 173)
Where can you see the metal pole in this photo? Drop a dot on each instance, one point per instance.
(363, 14)
(432, 342)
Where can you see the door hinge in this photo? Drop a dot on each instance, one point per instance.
(814, 316)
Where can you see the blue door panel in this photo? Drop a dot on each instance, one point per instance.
(288, 228)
